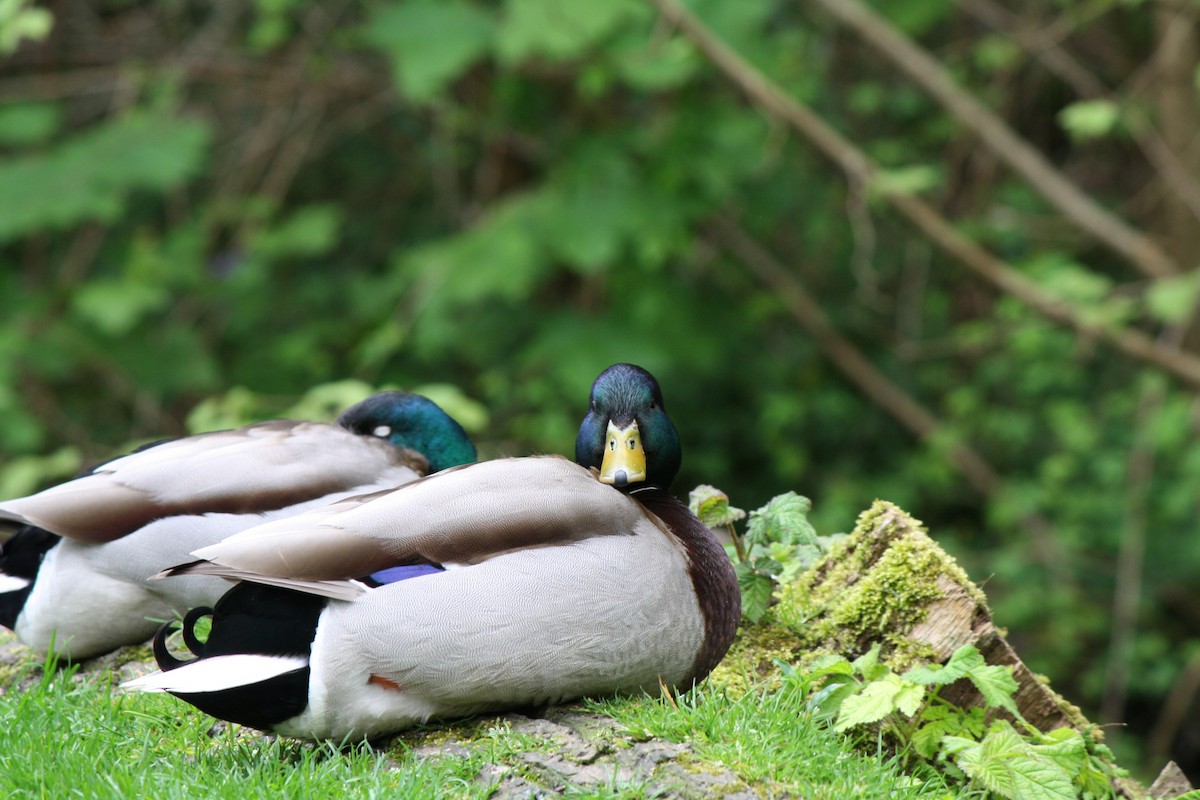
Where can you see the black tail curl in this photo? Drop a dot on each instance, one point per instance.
(249, 619)
(167, 661)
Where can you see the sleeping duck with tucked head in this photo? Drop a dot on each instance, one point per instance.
(75, 573)
(513, 583)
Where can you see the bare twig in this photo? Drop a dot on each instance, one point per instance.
(776, 102)
(1130, 559)
(1034, 39)
(1106, 227)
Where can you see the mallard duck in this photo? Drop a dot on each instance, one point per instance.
(131, 517)
(543, 580)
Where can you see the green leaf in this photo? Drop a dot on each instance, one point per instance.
(711, 505)
(1074, 282)
(1065, 747)
(24, 475)
(909, 698)
(867, 665)
(309, 231)
(757, 588)
(831, 664)
(114, 307)
(655, 64)
(26, 124)
(466, 411)
(997, 686)
(91, 176)
(962, 661)
(927, 739)
(828, 701)
(784, 519)
(1172, 300)
(1007, 765)
(429, 43)
(18, 22)
(558, 29)
(1089, 119)
(905, 180)
(876, 700)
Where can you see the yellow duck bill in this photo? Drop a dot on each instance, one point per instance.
(624, 459)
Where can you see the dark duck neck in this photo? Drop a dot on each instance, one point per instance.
(712, 575)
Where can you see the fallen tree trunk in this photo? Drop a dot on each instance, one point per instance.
(890, 583)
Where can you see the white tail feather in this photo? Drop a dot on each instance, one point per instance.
(217, 673)
(11, 583)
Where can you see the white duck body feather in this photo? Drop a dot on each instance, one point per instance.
(569, 587)
(143, 512)
(260, 467)
(89, 598)
(530, 627)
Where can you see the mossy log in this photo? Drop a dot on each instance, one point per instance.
(890, 583)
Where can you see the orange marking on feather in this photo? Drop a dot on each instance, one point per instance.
(386, 683)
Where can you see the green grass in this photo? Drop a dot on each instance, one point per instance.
(77, 736)
(769, 740)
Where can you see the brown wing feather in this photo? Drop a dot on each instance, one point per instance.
(457, 516)
(254, 469)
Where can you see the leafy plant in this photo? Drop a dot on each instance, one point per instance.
(779, 542)
(973, 744)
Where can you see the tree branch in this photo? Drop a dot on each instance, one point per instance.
(859, 370)
(771, 98)
(1106, 227)
(1036, 41)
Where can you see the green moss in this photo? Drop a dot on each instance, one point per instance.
(134, 654)
(750, 661)
(464, 732)
(873, 586)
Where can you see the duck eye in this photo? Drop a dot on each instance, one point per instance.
(633, 444)
(612, 444)
(382, 431)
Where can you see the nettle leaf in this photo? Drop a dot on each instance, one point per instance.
(757, 587)
(962, 747)
(1066, 748)
(784, 519)
(1009, 766)
(827, 702)
(962, 661)
(867, 665)
(831, 664)
(876, 700)
(927, 739)
(430, 44)
(909, 698)
(973, 722)
(711, 505)
(997, 686)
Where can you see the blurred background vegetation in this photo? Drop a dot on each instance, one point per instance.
(941, 252)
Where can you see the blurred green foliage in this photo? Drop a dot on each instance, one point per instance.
(251, 199)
